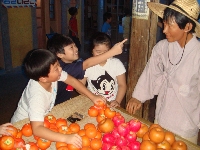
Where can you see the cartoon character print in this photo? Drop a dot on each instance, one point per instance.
(104, 85)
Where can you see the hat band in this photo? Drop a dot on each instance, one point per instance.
(182, 10)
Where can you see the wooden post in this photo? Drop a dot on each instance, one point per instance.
(143, 38)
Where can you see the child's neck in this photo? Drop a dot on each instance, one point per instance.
(46, 85)
(103, 63)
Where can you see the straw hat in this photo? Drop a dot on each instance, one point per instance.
(189, 8)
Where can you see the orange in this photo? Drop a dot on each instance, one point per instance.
(101, 117)
(60, 144)
(86, 148)
(92, 111)
(96, 144)
(81, 132)
(74, 127)
(85, 141)
(89, 125)
(91, 132)
(99, 135)
(72, 147)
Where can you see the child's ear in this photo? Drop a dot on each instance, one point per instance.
(59, 55)
(42, 79)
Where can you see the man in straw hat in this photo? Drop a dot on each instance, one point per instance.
(173, 71)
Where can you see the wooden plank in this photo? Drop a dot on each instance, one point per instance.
(143, 38)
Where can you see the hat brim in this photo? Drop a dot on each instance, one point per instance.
(158, 9)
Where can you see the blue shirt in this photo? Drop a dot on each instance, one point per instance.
(64, 91)
(106, 28)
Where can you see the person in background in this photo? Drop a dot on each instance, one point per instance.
(106, 28)
(126, 24)
(173, 71)
(66, 51)
(38, 98)
(4, 129)
(108, 77)
(73, 27)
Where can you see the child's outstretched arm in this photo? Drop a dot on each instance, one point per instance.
(133, 105)
(115, 50)
(45, 133)
(4, 128)
(121, 81)
(80, 87)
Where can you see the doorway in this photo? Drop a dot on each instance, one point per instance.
(115, 7)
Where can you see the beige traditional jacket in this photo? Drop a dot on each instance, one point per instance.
(177, 86)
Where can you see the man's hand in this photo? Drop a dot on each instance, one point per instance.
(114, 104)
(133, 105)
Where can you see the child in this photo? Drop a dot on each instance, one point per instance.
(108, 77)
(73, 27)
(38, 98)
(67, 52)
(106, 28)
(4, 128)
(126, 23)
(173, 71)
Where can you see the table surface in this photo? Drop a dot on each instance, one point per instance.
(81, 105)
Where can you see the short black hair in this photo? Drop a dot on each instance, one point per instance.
(180, 19)
(107, 16)
(100, 38)
(37, 63)
(127, 12)
(72, 11)
(57, 43)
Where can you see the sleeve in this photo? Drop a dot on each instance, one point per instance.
(63, 76)
(144, 89)
(120, 67)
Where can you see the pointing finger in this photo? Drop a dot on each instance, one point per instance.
(122, 42)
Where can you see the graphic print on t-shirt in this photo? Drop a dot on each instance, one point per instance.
(104, 85)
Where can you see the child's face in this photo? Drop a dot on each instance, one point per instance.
(99, 49)
(109, 20)
(55, 72)
(71, 53)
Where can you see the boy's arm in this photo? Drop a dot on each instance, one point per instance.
(121, 81)
(45, 133)
(82, 89)
(115, 50)
(83, 81)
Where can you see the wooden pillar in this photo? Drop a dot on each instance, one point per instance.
(143, 38)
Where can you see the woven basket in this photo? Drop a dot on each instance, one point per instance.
(81, 105)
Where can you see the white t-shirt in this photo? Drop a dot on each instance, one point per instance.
(102, 80)
(35, 101)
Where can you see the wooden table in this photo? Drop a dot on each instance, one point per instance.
(81, 105)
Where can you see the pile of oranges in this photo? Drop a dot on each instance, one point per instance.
(155, 137)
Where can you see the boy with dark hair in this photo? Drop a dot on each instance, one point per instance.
(106, 28)
(73, 27)
(38, 98)
(65, 49)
